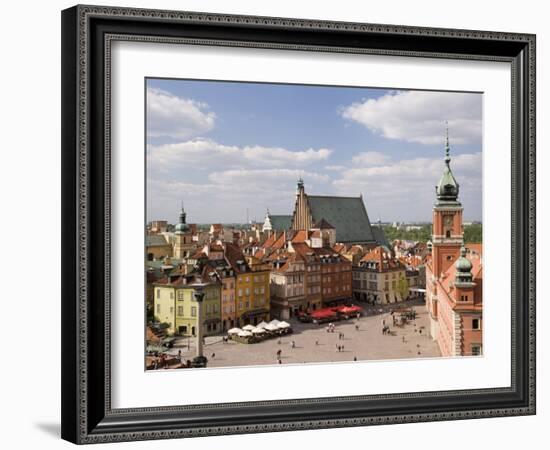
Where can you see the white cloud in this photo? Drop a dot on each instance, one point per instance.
(370, 159)
(335, 167)
(418, 116)
(407, 187)
(228, 195)
(207, 154)
(253, 180)
(176, 117)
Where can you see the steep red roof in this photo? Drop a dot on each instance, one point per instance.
(300, 236)
(234, 255)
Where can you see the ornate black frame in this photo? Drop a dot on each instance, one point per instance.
(87, 31)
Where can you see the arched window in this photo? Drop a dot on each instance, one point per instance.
(448, 233)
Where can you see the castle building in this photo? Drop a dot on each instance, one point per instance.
(453, 275)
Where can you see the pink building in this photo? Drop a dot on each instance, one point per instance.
(454, 275)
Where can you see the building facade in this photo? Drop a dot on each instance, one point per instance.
(175, 304)
(379, 278)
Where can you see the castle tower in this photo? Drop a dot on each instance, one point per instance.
(447, 229)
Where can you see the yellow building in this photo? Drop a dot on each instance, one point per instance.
(251, 288)
(175, 305)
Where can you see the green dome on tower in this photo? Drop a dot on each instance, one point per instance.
(463, 268)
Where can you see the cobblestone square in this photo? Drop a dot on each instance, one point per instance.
(314, 344)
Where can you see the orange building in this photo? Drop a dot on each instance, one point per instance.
(454, 274)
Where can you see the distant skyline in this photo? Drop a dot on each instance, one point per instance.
(224, 147)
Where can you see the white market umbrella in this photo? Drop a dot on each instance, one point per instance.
(262, 324)
(234, 331)
(274, 322)
(245, 333)
(258, 331)
(271, 327)
(248, 327)
(283, 325)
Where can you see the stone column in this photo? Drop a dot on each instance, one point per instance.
(199, 297)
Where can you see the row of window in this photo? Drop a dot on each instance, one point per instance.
(314, 289)
(209, 308)
(337, 289)
(210, 293)
(363, 275)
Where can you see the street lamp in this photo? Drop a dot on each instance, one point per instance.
(200, 360)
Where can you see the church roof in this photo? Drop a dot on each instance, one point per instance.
(323, 224)
(379, 236)
(280, 223)
(347, 214)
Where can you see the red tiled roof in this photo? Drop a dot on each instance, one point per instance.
(233, 254)
(380, 256)
(300, 236)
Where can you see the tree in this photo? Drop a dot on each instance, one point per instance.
(473, 233)
(403, 286)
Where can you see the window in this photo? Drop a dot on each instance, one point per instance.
(449, 257)
(448, 234)
(158, 307)
(180, 295)
(180, 310)
(193, 311)
(476, 349)
(158, 293)
(171, 310)
(476, 324)
(240, 293)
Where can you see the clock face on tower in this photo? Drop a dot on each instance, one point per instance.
(448, 221)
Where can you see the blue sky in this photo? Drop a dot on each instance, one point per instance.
(227, 147)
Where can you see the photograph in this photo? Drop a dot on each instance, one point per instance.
(291, 224)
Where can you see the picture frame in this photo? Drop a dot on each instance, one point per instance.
(87, 35)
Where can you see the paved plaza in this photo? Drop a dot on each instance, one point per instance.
(314, 344)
